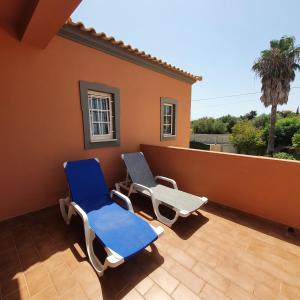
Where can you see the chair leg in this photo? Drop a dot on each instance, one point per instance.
(89, 238)
(112, 260)
(117, 185)
(130, 190)
(160, 217)
(64, 204)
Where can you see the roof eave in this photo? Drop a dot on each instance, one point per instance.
(88, 37)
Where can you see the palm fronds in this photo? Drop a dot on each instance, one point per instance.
(277, 67)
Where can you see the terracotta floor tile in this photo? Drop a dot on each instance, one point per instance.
(182, 292)
(76, 293)
(210, 293)
(87, 278)
(203, 256)
(46, 247)
(9, 259)
(231, 255)
(289, 292)
(234, 292)
(188, 278)
(12, 283)
(20, 294)
(260, 276)
(214, 278)
(157, 293)
(144, 285)
(6, 274)
(269, 268)
(62, 278)
(29, 258)
(38, 280)
(168, 262)
(262, 291)
(97, 295)
(47, 294)
(7, 243)
(133, 295)
(164, 280)
(23, 239)
(70, 259)
(54, 261)
(182, 257)
(229, 269)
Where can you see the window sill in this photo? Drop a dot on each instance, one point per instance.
(103, 141)
(168, 137)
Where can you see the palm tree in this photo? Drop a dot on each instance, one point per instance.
(276, 67)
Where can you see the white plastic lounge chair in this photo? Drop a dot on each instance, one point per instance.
(120, 231)
(140, 179)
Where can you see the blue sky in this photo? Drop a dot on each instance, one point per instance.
(216, 39)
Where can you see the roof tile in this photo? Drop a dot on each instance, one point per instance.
(129, 48)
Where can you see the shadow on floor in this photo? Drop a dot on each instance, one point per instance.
(40, 245)
(183, 227)
(117, 282)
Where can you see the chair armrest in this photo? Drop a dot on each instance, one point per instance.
(124, 198)
(141, 187)
(81, 212)
(172, 181)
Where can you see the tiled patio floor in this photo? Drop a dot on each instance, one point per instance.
(221, 254)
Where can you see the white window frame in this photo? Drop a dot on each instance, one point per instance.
(101, 137)
(171, 125)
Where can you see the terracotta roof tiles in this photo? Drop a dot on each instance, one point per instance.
(129, 48)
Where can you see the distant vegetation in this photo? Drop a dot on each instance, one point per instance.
(277, 134)
(250, 132)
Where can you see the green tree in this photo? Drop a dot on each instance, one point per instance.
(261, 121)
(229, 121)
(285, 129)
(247, 138)
(250, 115)
(276, 67)
(296, 139)
(208, 126)
(286, 114)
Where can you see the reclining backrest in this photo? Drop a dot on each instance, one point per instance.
(87, 184)
(138, 169)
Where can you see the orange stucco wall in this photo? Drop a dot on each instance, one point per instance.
(41, 120)
(265, 187)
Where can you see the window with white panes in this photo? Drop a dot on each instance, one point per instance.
(168, 119)
(100, 116)
(100, 105)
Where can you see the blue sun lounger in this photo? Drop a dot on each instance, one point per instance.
(119, 230)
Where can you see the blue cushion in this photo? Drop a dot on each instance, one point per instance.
(115, 227)
(121, 230)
